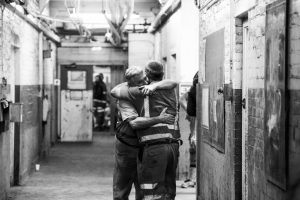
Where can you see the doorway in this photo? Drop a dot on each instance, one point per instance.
(245, 109)
(76, 103)
(15, 129)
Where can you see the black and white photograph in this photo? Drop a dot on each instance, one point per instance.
(149, 99)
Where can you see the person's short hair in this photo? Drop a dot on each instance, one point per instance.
(100, 75)
(154, 71)
(131, 72)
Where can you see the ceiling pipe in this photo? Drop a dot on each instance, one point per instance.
(37, 26)
(165, 13)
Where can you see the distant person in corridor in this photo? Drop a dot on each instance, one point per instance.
(100, 100)
(127, 145)
(99, 89)
(158, 157)
(188, 103)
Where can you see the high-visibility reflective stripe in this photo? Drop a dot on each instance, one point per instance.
(152, 197)
(156, 136)
(147, 106)
(176, 127)
(170, 126)
(148, 186)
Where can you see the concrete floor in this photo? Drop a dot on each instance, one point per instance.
(78, 171)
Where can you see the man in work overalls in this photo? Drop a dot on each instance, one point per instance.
(159, 156)
(126, 145)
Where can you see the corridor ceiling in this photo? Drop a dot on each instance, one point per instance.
(89, 14)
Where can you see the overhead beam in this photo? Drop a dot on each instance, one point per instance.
(106, 56)
(165, 13)
(40, 28)
(58, 9)
(98, 44)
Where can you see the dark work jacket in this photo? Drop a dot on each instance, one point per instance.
(156, 103)
(191, 101)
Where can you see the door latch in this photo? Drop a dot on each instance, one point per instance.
(244, 103)
(220, 90)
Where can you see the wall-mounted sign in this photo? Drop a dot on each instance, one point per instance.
(76, 80)
(47, 53)
(184, 87)
(205, 107)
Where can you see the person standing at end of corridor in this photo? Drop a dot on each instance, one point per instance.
(99, 100)
(126, 145)
(188, 103)
(158, 158)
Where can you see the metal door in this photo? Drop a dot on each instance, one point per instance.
(214, 78)
(76, 103)
(275, 94)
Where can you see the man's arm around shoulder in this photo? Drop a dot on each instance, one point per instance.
(145, 122)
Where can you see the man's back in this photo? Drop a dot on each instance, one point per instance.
(163, 99)
(153, 106)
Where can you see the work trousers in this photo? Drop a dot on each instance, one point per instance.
(157, 171)
(192, 154)
(125, 172)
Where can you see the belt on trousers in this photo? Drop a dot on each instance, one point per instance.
(151, 143)
(165, 141)
(126, 143)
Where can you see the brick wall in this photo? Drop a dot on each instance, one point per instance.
(258, 185)
(216, 168)
(22, 72)
(294, 86)
(176, 45)
(20, 66)
(3, 137)
(255, 157)
(49, 68)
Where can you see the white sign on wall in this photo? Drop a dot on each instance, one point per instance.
(184, 87)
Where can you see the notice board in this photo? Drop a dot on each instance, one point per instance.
(214, 79)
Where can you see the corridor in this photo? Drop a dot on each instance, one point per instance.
(77, 171)
(234, 68)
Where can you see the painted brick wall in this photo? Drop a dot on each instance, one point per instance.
(19, 64)
(258, 185)
(49, 71)
(294, 86)
(255, 157)
(177, 42)
(24, 82)
(3, 137)
(215, 167)
(140, 49)
(167, 43)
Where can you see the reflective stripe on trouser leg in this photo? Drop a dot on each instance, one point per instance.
(153, 197)
(148, 186)
(152, 171)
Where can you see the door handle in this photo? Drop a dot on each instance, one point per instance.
(244, 103)
(220, 90)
